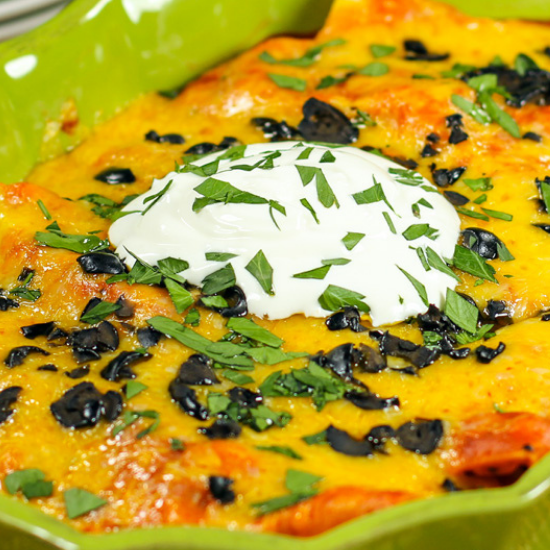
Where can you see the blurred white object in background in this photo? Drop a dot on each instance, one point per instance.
(19, 16)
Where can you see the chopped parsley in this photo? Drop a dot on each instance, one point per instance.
(99, 312)
(380, 50)
(290, 82)
(470, 262)
(129, 417)
(79, 502)
(261, 270)
(335, 298)
(418, 286)
(283, 450)
(351, 240)
(461, 312)
(55, 238)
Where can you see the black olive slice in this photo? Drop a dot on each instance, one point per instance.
(543, 226)
(48, 368)
(220, 488)
(222, 429)
(371, 401)
(116, 176)
(368, 359)
(173, 139)
(273, 130)
(39, 329)
(201, 148)
(485, 354)
(323, 122)
(454, 121)
(7, 303)
(227, 142)
(7, 398)
(186, 398)
(444, 177)
(102, 338)
(497, 312)
(417, 51)
(148, 336)
(456, 199)
(197, 371)
(119, 368)
(433, 137)
(421, 436)
(458, 135)
(348, 318)
(378, 436)
(101, 262)
(483, 242)
(18, 355)
(449, 486)
(343, 443)
(419, 356)
(532, 136)
(79, 372)
(126, 309)
(245, 398)
(83, 406)
(428, 151)
(237, 305)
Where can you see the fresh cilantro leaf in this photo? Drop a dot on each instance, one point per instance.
(458, 70)
(418, 230)
(308, 59)
(476, 112)
(193, 318)
(300, 482)
(317, 273)
(435, 261)
(55, 238)
(422, 257)
(129, 417)
(219, 256)
(319, 438)
(504, 254)
(214, 301)
(99, 312)
(468, 338)
(479, 184)
(219, 280)
(472, 214)
(335, 298)
(153, 199)
(498, 115)
(133, 388)
(351, 240)
(363, 120)
(273, 356)
(304, 155)
(278, 503)
(31, 482)
(498, 215)
(214, 190)
(376, 68)
(249, 329)
(290, 82)
(380, 50)
(170, 267)
(262, 271)
(328, 157)
(79, 502)
(325, 193)
(179, 295)
(481, 199)
(329, 80)
(45, 211)
(469, 261)
(306, 204)
(545, 192)
(177, 444)
(237, 377)
(24, 293)
(286, 451)
(406, 177)
(524, 63)
(336, 261)
(461, 312)
(370, 195)
(419, 287)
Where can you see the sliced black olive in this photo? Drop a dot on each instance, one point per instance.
(348, 318)
(454, 120)
(419, 356)
(485, 354)
(102, 338)
(444, 177)
(186, 398)
(339, 360)
(417, 51)
(119, 368)
(116, 176)
(83, 355)
(371, 401)
(201, 148)
(245, 398)
(378, 436)
(39, 329)
(126, 308)
(198, 371)
(48, 368)
(275, 131)
(323, 122)
(428, 151)
(545, 317)
(101, 262)
(368, 359)
(57, 334)
(456, 199)
(543, 226)
(7, 303)
(83, 406)
(79, 372)
(449, 486)
(173, 139)
(421, 436)
(90, 305)
(220, 488)
(148, 336)
(433, 137)
(227, 142)
(222, 429)
(532, 136)
(17, 355)
(497, 312)
(7, 398)
(483, 242)
(237, 305)
(458, 135)
(343, 443)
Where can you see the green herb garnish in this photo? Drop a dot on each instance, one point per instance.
(461, 312)
(418, 286)
(219, 280)
(133, 388)
(99, 312)
(262, 271)
(286, 451)
(30, 482)
(469, 261)
(290, 82)
(79, 502)
(351, 240)
(380, 50)
(129, 417)
(335, 298)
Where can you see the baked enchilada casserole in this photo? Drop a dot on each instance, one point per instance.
(310, 285)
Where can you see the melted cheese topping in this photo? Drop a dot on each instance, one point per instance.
(367, 216)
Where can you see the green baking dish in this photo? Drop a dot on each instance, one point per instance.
(103, 53)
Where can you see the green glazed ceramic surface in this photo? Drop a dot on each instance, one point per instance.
(104, 53)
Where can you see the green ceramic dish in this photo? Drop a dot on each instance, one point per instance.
(102, 54)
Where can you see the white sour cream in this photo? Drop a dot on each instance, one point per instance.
(170, 228)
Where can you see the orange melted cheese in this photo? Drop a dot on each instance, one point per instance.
(144, 480)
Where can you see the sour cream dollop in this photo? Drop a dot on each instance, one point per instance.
(304, 206)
